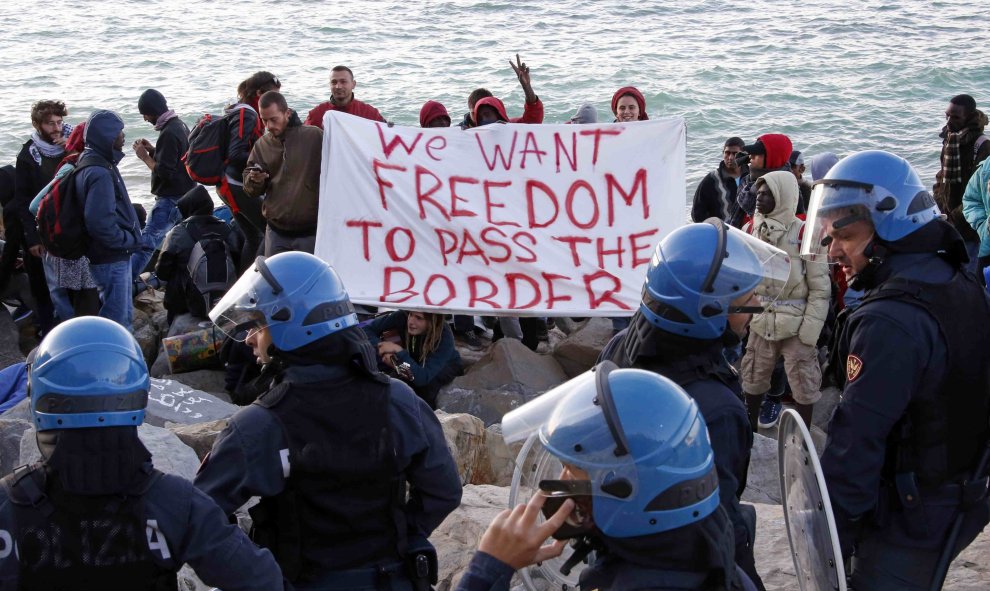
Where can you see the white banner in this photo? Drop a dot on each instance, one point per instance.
(547, 220)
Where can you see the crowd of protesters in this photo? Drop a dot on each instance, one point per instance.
(269, 187)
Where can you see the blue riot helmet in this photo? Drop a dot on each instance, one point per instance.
(699, 270)
(874, 185)
(638, 436)
(87, 372)
(297, 296)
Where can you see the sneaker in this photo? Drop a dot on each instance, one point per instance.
(21, 313)
(770, 412)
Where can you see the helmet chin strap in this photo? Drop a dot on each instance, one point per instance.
(875, 252)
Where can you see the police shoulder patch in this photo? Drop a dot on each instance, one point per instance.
(854, 365)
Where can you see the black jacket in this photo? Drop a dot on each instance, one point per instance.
(715, 196)
(30, 180)
(174, 257)
(170, 177)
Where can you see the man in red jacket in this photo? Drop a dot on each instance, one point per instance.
(342, 99)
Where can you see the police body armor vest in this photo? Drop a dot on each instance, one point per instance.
(711, 568)
(941, 436)
(342, 507)
(67, 542)
(637, 349)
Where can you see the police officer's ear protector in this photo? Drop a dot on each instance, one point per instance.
(579, 523)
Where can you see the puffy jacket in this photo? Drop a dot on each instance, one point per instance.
(801, 308)
(976, 204)
(109, 216)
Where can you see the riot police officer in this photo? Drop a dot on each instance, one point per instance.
(914, 362)
(333, 445)
(702, 285)
(639, 472)
(94, 513)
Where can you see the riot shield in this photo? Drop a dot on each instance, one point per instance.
(533, 464)
(807, 509)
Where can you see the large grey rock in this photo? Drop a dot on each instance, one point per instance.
(481, 455)
(11, 433)
(499, 457)
(207, 380)
(21, 410)
(148, 339)
(488, 405)
(174, 401)
(457, 537)
(170, 454)
(159, 367)
(10, 352)
(199, 436)
(825, 407)
(763, 480)
(509, 361)
(186, 323)
(579, 351)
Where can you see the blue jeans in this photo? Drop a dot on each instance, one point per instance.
(60, 295)
(114, 282)
(164, 215)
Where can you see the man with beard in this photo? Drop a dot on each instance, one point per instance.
(37, 163)
(715, 196)
(903, 456)
(964, 146)
(285, 167)
(342, 85)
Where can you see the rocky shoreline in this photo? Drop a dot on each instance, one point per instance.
(190, 409)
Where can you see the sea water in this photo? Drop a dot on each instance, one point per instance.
(835, 76)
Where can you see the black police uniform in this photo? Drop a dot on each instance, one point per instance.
(699, 367)
(330, 449)
(690, 558)
(136, 538)
(912, 420)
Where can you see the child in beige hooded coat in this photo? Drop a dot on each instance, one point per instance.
(792, 323)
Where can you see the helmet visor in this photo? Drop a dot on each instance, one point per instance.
(242, 309)
(519, 424)
(773, 266)
(834, 204)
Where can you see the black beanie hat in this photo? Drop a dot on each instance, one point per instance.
(152, 103)
(196, 202)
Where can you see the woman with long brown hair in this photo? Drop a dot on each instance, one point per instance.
(417, 347)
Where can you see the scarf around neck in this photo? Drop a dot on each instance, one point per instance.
(952, 172)
(163, 119)
(40, 147)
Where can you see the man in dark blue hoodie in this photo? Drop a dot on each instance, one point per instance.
(109, 216)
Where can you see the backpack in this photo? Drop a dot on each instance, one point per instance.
(206, 157)
(211, 270)
(61, 219)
